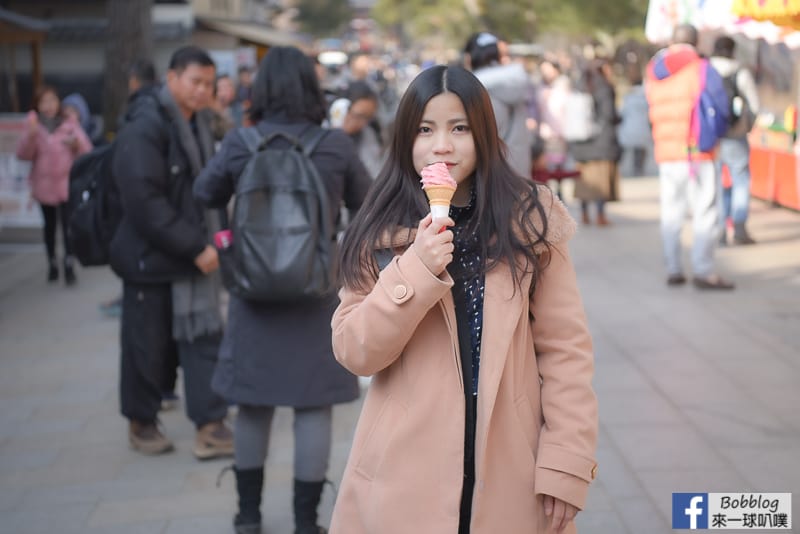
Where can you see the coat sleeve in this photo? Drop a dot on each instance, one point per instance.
(215, 185)
(84, 144)
(563, 345)
(28, 144)
(370, 330)
(747, 86)
(141, 174)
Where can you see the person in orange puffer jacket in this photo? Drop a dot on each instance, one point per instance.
(687, 177)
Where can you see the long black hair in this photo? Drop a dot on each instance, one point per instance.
(286, 85)
(505, 202)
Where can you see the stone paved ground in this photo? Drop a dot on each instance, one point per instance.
(698, 392)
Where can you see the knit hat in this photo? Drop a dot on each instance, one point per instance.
(76, 101)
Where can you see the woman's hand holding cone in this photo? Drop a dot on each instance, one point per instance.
(434, 244)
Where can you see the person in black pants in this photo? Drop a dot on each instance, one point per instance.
(163, 254)
(51, 143)
(280, 354)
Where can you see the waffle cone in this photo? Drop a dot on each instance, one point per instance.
(439, 195)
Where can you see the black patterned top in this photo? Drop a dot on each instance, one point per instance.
(469, 283)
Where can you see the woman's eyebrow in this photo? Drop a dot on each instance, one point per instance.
(451, 121)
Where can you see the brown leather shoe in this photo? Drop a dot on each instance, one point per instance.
(676, 280)
(713, 282)
(148, 439)
(213, 440)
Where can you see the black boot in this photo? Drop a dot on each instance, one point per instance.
(69, 271)
(249, 485)
(52, 270)
(306, 501)
(740, 235)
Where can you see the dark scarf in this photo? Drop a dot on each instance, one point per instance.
(196, 308)
(50, 123)
(468, 291)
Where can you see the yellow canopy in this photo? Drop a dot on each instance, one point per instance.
(779, 12)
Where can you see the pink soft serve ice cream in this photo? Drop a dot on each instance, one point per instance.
(440, 187)
(436, 174)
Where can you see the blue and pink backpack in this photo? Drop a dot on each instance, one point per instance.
(710, 116)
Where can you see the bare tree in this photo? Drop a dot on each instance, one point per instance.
(129, 37)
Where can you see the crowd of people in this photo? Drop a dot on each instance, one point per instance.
(470, 326)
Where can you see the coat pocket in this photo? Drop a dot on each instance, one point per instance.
(529, 424)
(379, 438)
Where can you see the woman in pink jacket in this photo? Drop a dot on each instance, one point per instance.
(480, 417)
(51, 143)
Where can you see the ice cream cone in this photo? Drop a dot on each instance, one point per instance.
(439, 197)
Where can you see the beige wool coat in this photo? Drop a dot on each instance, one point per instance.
(536, 417)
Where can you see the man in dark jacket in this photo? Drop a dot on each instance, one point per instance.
(162, 252)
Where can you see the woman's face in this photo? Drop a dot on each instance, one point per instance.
(549, 72)
(226, 92)
(360, 113)
(48, 105)
(444, 135)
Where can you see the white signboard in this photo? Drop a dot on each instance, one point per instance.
(17, 208)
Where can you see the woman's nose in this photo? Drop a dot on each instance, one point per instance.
(442, 144)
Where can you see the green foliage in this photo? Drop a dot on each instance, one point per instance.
(514, 20)
(424, 20)
(323, 18)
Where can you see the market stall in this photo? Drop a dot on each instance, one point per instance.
(774, 149)
(771, 28)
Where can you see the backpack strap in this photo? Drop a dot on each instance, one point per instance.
(251, 137)
(311, 138)
(307, 141)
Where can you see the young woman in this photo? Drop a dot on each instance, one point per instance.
(359, 123)
(597, 157)
(280, 354)
(51, 143)
(480, 416)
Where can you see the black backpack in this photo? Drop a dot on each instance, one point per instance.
(283, 236)
(94, 206)
(740, 118)
(732, 89)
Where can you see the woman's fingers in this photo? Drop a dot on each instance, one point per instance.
(558, 515)
(434, 244)
(424, 223)
(561, 512)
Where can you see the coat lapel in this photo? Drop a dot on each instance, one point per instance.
(501, 312)
(449, 310)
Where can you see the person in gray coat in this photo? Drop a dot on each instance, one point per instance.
(281, 355)
(509, 88)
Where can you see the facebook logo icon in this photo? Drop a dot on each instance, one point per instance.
(690, 510)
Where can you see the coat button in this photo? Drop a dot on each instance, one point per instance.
(400, 291)
(594, 471)
(175, 169)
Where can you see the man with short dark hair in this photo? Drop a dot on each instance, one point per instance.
(734, 149)
(163, 254)
(509, 88)
(141, 74)
(687, 179)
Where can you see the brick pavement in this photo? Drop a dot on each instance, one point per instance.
(698, 392)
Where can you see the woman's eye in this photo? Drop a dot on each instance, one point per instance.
(424, 129)
(461, 128)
